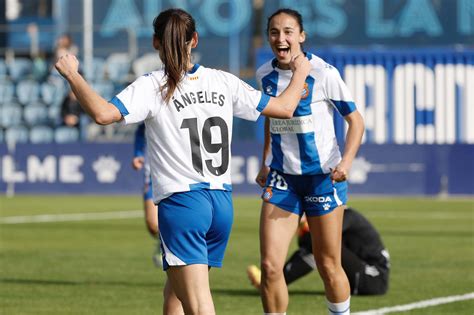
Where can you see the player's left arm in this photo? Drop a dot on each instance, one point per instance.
(101, 111)
(353, 141)
(340, 97)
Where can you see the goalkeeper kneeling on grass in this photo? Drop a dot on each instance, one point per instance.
(364, 257)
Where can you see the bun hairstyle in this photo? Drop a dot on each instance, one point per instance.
(174, 28)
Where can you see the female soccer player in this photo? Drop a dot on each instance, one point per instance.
(187, 110)
(306, 173)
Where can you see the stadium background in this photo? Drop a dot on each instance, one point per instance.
(408, 63)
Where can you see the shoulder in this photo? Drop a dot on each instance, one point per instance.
(264, 69)
(324, 70)
(320, 66)
(149, 79)
(220, 76)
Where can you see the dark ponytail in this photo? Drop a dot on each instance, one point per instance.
(174, 28)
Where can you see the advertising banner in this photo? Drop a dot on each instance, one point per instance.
(106, 169)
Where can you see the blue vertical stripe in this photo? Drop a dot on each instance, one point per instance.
(310, 162)
(309, 157)
(270, 86)
(277, 160)
(304, 107)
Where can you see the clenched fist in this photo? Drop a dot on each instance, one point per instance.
(67, 65)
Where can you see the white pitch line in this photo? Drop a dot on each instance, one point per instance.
(420, 304)
(72, 217)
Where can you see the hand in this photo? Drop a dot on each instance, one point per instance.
(138, 162)
(340, 173)
(67, 65)
(299, 63)
(262, 176)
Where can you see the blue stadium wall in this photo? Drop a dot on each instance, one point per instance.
(387, 169)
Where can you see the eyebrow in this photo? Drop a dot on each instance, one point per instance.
(285, 28)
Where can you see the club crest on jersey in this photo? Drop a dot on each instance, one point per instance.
(267, 195)
(268, 89)
(305, 92)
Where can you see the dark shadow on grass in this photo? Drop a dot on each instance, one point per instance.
(78, 283)
(253, 292)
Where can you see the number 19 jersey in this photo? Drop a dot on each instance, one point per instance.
(189, 137)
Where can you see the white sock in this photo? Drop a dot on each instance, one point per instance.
(342, 308)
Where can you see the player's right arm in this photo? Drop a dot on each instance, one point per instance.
(285, 104)
(101, 111)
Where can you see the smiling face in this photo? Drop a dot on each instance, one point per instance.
(285, 37)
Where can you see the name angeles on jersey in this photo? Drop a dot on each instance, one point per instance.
(201, 97)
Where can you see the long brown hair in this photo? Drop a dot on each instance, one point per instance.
(174, 28)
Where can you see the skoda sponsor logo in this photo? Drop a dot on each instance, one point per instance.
(316, 199)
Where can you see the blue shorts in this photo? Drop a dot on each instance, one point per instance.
(195, 227)
(314, 195)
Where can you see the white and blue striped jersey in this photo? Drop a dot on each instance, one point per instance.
(188, 138)
(306, 144)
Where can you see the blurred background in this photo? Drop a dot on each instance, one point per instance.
(408, 63)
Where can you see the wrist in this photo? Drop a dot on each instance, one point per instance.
(71, 75)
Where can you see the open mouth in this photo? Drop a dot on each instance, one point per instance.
(283, 51)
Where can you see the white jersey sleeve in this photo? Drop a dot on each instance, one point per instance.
(337, 92)
(247, 102)
(139, 100)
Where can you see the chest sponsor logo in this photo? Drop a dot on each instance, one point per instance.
(302, 124)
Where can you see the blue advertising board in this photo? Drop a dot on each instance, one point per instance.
(106, 169)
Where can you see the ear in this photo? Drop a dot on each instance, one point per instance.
(194, 40)
(156, 43)
(302, 37)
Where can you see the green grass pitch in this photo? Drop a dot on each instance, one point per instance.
(105, 266)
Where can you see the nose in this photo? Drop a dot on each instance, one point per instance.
(281, 37)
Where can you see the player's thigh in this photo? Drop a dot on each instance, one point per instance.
(190, 282)
(277, 228)
(326, 234)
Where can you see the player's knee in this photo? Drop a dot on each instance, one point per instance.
(271, 270)
(328, 269)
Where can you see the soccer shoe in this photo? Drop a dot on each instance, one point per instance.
(254, 275)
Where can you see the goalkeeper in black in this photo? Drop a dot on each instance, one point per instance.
(364, 257)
